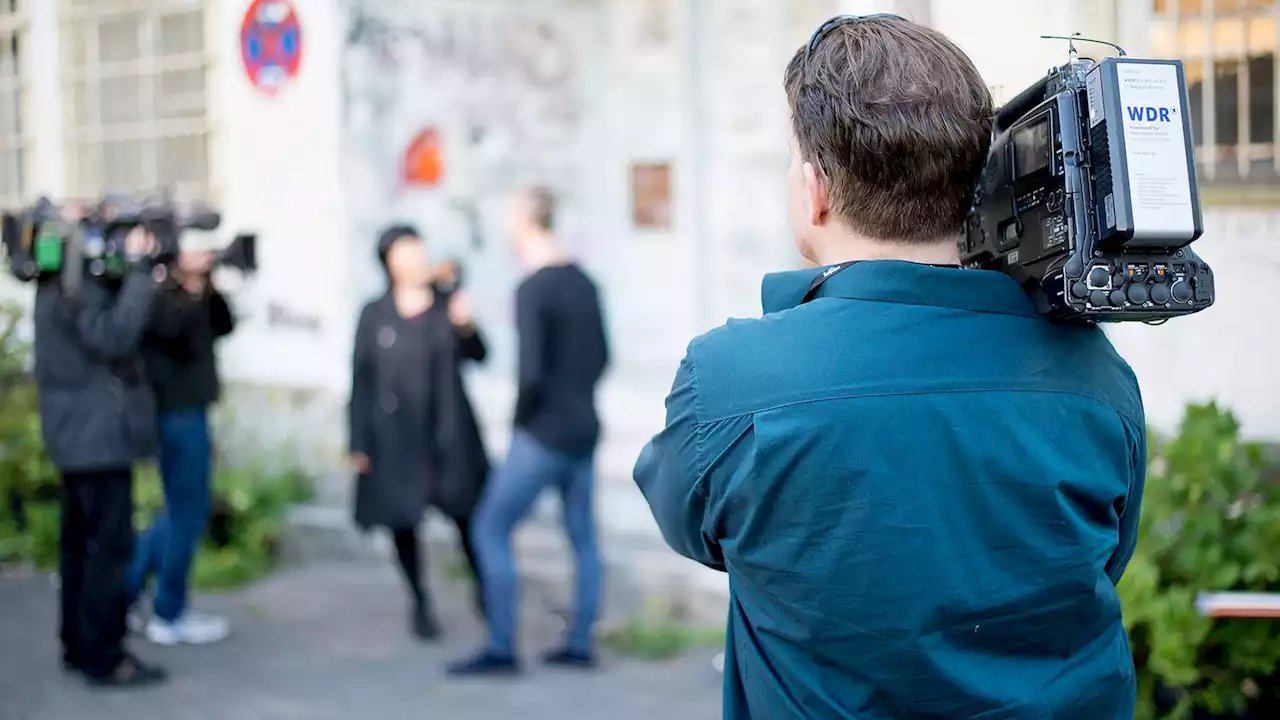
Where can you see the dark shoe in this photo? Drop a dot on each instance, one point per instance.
(130, 673)
(486, 664)
(564, 657)
(423, 625)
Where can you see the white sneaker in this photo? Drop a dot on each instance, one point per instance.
(193, 628)
(136, 622)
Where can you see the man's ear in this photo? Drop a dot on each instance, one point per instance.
(816, 191)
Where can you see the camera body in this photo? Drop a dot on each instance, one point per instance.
(1089, 196)
(42, 244)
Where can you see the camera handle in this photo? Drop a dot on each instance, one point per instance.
(1073, 37)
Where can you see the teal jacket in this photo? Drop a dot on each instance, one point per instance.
(923, 494)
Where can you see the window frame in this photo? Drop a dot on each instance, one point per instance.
(15, 23)
(87, 134)
(1211, 155)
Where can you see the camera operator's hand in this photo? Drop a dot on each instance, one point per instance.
(360, 463)
(140, 244)
(460, 312)
(195, 268)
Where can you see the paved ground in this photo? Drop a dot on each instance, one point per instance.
(329, 641)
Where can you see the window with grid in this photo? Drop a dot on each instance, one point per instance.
(135, 83)
(13, 121)
(1229, 48)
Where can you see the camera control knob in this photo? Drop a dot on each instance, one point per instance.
(1160, 294)
(1182, 291)
(1079, 290)
(1098, 298)
(1138, 293)
(1117, 298)
(1099, 276)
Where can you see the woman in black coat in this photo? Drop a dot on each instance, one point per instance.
(414, 439)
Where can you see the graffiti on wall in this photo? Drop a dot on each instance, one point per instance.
(505, 85)
(499, 85)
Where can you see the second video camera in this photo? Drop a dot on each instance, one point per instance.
(42, 243)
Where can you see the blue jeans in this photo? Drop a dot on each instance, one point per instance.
(508, 497)
(168, 547)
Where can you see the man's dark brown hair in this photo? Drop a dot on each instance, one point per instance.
(897, 121)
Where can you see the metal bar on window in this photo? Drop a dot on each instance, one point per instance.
(92, 113)
(1210, 97)
(147, 96)
(104, 71)
(1275, 103)
(142, 130)
(1244, 139)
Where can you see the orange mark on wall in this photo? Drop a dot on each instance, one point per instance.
(424, 159)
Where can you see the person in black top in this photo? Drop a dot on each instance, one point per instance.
(189, 316)
(563, 354)
(414, 437)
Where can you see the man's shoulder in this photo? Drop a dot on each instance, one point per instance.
(737, 363)
(809, 353)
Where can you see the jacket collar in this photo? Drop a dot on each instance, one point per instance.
(897, 281)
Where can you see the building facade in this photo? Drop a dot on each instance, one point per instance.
(660, 122)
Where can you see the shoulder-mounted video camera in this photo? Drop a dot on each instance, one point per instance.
(1089, 195)
(42, 242)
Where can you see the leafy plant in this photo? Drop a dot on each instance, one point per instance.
(249, 512)
(1210, 522)
(659, 632)
(25, 471)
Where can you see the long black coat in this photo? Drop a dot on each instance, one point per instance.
(398, 488)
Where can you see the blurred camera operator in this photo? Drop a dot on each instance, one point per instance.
(98, 418)
(923, 491)
(189, 316)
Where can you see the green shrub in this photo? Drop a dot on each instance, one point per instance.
(660, 632)
(250, 508)
(1210, 522)
(24, 469)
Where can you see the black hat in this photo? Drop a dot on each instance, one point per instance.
(389, 236)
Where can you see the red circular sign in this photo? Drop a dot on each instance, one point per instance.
(271, 44)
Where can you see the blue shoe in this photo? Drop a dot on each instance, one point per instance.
(485, 664)
(568, 658)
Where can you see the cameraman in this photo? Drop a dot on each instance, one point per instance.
(923, 491)
(190, 315)
(98, 419)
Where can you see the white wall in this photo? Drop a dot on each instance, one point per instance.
(275, 162)
(1227, 352)
(1003, 37)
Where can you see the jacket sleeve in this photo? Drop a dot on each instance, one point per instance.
(674, 476)
(360, 408)
(531, 330)
(220, 315)
(1131, 512)
(112, 326)
(172, 316)
(471, 344)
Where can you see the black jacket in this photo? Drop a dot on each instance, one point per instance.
(179, 348)
(398, 489)
(96, 409)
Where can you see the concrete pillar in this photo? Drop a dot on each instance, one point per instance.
(43, 70)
